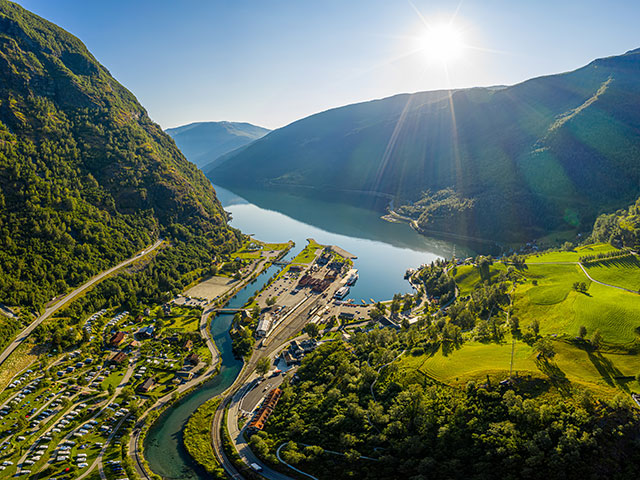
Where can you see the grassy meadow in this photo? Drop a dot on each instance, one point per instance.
(544, 293)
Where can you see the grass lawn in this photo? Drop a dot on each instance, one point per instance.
(183, 319)
(571, 256)
(114, 379)
(474, 359)
(623, 272)
(467, 276)
(602, 372)
(615, 313)
(308, 254)
(554, 282)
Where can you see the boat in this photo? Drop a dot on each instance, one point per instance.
(341, 293)
(352, 279)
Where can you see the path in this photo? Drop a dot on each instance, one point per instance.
(584, 270)
(22, 336)
(605, 284)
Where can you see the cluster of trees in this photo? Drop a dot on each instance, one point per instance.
(8, 329)
(437, 282)
(621, 228)
(417, 429)
(580, 287)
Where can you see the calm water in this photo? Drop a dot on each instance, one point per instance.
(384, 250)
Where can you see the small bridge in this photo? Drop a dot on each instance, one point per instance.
(282, 263)
(229, 310)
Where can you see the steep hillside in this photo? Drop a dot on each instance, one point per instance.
(504, 164)
(86, 178)
(203, 142)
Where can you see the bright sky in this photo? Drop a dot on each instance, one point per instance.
(273, 62)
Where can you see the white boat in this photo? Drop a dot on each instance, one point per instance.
(341, 293)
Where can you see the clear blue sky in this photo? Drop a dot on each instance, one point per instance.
(271, 62)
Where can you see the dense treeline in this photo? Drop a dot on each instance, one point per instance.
(86, 178)
(417, 429)
(621, 228)
(8, 329)
(605, 256)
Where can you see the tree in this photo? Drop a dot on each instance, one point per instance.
(312, 329)
(263, 366)
(596, 340)
(271, 301)
(580, 287)
(545, 349)
(582, 332)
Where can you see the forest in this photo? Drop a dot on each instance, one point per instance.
(86, 178)
(345, 400)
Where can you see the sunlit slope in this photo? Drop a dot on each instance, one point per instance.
(544, 294)
(512, 163)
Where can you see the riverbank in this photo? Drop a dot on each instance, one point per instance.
(162, 443)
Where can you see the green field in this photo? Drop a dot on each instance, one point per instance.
(544, 292)
(308, 254)
(571, 256)
(472, 360)
(467, 276)
(623, 272)
(598, 371)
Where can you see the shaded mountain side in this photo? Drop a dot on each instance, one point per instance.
(203, 142)
(521, 161)
(86, 178)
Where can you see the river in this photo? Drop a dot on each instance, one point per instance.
(384, 250)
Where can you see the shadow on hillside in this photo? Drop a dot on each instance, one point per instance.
(608, 370)
(557, 377)
(630, 261)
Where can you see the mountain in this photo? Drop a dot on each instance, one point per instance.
(203, 142)
(506, 164)
(86, 178)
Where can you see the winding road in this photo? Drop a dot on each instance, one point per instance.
(22, 336)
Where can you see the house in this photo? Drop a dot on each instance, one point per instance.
(288, 358)
(147, 311)
(264, 412)
(116, 339)
(193, 358)
(184, 375)
(118, 358)
(147, 385)
(147, 332)
(264, 325)
(187, 345)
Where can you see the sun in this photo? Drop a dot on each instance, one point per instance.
(442, 43)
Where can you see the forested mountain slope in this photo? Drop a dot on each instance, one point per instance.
(512, 163)
(86, 178)
(203, 142)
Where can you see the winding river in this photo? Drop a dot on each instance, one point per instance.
(384, 250)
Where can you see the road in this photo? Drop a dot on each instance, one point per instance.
(606, 284)
(22, 336)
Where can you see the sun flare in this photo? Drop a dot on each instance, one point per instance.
(442, 42)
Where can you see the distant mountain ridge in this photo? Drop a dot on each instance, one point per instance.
(506, 164)
(203, 142)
